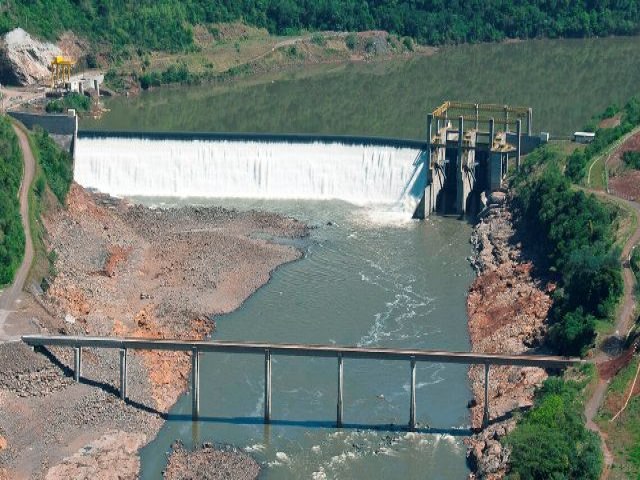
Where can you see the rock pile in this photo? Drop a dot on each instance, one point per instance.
(210, 463)
(25, 60)
(507, 309)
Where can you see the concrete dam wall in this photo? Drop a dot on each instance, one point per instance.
(359, 170)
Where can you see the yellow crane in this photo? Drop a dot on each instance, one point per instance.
(61, 70)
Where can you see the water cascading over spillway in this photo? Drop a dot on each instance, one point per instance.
(361, 174)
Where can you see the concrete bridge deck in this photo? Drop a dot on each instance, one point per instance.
(289, 349)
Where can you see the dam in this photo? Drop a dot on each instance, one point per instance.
(395, 284)
(445, 174)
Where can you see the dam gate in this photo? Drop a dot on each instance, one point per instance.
(469, 147)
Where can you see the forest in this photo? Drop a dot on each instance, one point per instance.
(12, 238)
(56, 164)
(551, 440)
(168, 24)
(573, 233)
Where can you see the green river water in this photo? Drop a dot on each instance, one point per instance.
(363, 281)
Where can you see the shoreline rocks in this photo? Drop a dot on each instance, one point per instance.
(507, 309)
(209, 462)
(125, 270)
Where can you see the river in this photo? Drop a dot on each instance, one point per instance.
(365, 278)
(564, 81)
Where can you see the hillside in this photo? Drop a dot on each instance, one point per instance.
(169, 24)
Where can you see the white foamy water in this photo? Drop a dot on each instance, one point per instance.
(358, 174)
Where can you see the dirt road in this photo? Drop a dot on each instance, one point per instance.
(10, 294)
(624, 322)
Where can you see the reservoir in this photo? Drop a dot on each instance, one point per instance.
(369, 275)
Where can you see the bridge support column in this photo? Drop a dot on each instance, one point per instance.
(340, 386)
(267, 386)
(412, 405)
(77, 363)
(123, 374)
(519, 142)
(485, 417)
(195, 384)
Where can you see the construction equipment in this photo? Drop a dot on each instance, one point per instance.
(61, 71)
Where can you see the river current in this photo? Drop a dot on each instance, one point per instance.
(366, 278)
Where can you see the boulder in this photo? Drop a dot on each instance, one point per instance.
(25, 60)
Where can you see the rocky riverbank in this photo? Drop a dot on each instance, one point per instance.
(124, 270)
(210, 463)
(507, 308)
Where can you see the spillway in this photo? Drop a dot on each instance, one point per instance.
(360, 172)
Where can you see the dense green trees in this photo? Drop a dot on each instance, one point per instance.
(56, 164)
(11, 233)
(551, 440)
(167, 24)
(81, 103)
(631, 159)
(574, 233)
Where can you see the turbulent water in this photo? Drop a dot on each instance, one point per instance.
(359, 174)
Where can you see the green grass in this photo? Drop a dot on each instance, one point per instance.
(598, 179)
(624, 433)
(76, 101)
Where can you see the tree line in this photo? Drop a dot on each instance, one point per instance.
(168, 24)
(574, 234)
(12, 238)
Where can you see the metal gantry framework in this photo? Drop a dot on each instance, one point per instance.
(61, 70)
(483, 113)
(298, 350)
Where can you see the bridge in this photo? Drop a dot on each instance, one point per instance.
(294, 350)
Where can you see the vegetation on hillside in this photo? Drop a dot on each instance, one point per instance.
(177, 73)
(12, 238)
(551, 441)
(168, 24)
(574, 233)
(631, 160)
(56, 164)
(81, 103)
(578, 162)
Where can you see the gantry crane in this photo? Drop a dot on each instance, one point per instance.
(61, 70)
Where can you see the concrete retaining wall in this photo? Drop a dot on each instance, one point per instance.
(527, 143)
(54, 124)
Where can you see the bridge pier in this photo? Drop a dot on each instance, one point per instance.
(267, 386)
(485, 417)
(77, 363)
(412, 405)
(340, 387)
(195, 384)
(123, 374)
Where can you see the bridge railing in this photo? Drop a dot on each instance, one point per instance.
(288, 349)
